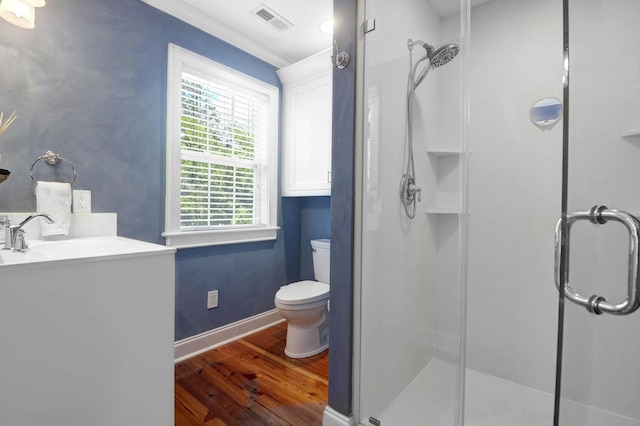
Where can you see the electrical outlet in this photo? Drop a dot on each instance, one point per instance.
(212, 299)
(81, 201)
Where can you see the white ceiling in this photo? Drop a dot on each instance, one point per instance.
(234, 22)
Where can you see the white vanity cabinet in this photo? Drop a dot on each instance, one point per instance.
(306, 150)
(87, 330)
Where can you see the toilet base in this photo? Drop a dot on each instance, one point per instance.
(306, 354)
(303, 342)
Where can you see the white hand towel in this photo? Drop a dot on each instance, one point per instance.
(54, 199)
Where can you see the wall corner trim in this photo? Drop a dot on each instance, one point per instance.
(195, 345)
(331, 417)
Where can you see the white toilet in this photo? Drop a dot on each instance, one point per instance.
(304, 305)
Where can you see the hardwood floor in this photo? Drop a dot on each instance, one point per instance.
(251, 382)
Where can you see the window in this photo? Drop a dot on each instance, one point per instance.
(221, 154)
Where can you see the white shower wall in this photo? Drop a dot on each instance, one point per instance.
(515, 191)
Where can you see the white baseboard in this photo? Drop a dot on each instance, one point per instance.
(195, 345)
(331, 417)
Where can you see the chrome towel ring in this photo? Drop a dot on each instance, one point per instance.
(52, 158)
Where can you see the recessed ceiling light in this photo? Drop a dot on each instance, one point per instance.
(327, 27)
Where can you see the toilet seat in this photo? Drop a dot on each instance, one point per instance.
(302, 292)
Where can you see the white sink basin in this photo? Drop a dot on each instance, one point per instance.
(78, 249)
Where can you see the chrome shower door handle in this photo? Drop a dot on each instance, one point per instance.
(595, 304)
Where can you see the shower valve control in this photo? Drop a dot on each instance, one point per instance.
(409, 192)
(416, 190)
(413, 191)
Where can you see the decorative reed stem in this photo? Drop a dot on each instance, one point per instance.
(5, 126)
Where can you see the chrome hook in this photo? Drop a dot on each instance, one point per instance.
(339, 60)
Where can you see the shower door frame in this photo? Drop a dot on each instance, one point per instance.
(564, 202)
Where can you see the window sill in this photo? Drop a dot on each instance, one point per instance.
(188, 239)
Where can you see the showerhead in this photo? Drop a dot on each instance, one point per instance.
(437, 58)
(443, 55)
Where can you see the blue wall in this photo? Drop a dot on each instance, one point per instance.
(343, 168)
(90, 82)
(315, 224)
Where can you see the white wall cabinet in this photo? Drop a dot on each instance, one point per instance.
(306, 142)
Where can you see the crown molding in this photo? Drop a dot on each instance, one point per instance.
(185, 12)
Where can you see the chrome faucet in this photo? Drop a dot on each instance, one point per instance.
(17, 235)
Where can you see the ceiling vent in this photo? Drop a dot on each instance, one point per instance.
(268, 15)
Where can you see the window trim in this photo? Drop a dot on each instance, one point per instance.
(179, 60)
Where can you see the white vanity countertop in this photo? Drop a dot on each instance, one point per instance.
(44, 252)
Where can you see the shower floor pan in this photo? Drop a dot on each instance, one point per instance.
(490, 401)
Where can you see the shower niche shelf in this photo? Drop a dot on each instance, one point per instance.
(444, 211)
(631, 134)
(443, 152)
(444, 203)
(444, 197)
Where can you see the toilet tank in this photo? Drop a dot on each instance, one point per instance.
(321, 251)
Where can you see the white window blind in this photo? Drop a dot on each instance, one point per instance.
(223, 156)
(222, 151)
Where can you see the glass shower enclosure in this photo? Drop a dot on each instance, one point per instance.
(467, 315)
(599, 234)
(412, 271)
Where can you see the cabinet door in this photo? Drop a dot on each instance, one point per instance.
(307, 138)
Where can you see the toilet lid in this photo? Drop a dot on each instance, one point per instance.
(302, 292)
